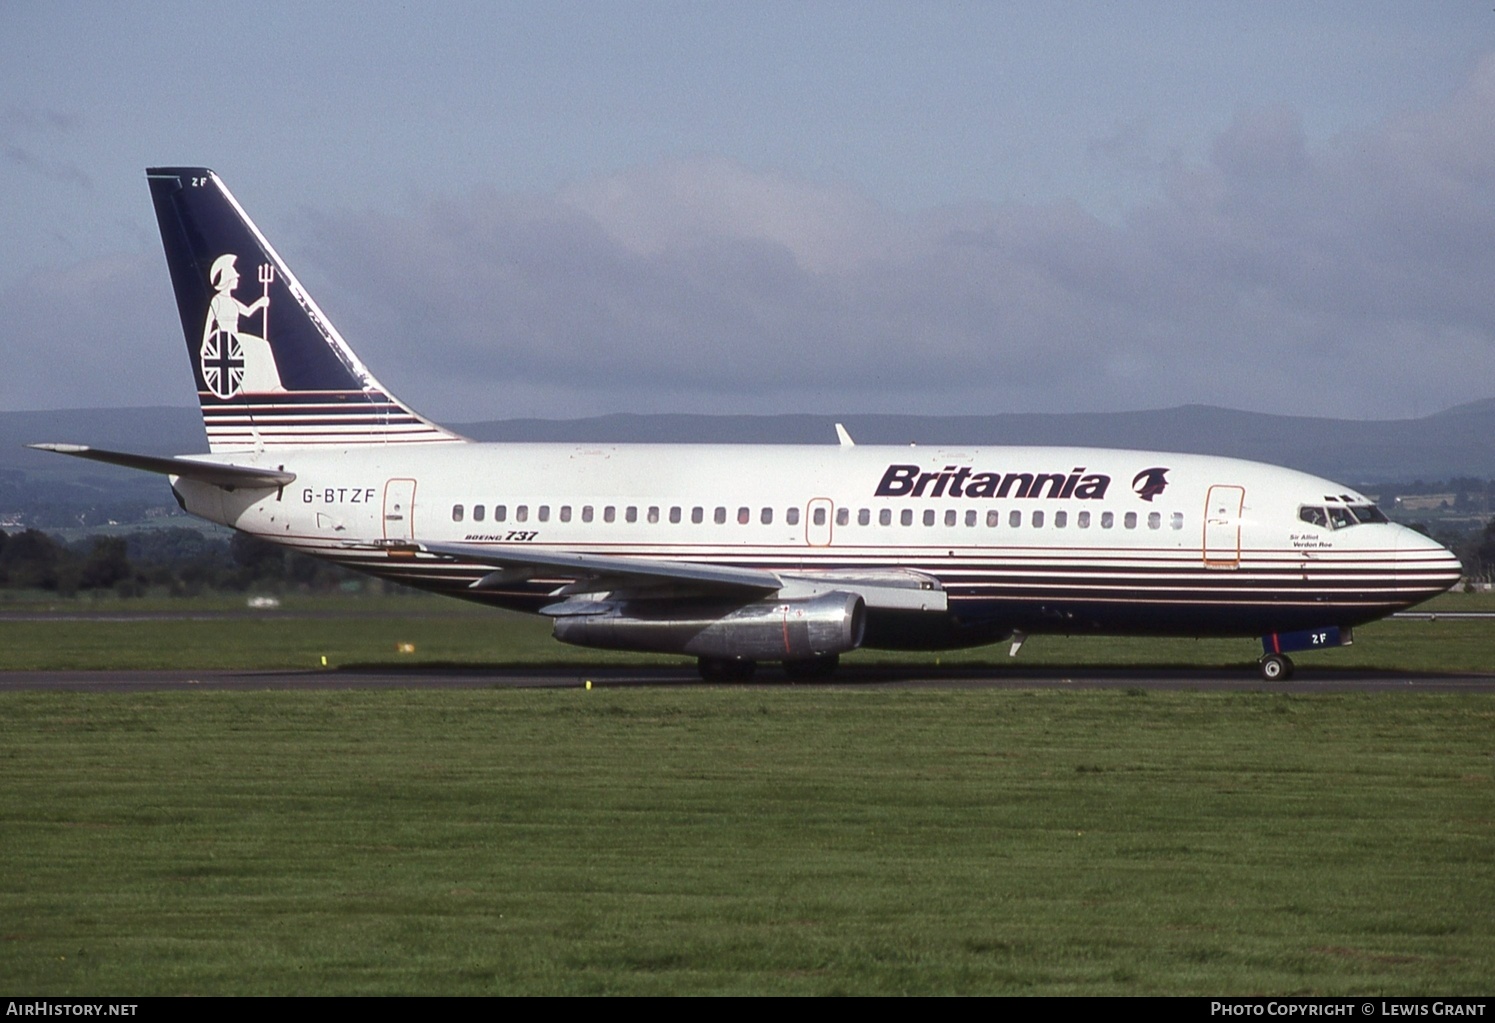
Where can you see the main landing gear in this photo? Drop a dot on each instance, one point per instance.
(732, 669)
(1276, 667)
(726, 669)
(812, 667)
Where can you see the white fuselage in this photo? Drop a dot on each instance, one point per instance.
(1035, 539)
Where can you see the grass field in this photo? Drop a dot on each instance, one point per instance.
(736, 841)
(792, 840)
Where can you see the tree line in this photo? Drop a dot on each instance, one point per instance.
(175, 561)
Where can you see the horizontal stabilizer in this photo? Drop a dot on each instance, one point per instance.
(228, 476)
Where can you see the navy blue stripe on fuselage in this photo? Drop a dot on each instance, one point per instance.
(1178, 598)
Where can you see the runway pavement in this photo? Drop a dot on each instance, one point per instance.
(913, 677)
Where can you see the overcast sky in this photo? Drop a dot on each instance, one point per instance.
(565, 209)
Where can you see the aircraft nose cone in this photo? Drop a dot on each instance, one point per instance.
(1424, 567)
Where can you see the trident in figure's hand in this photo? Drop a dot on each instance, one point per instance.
(267, 277)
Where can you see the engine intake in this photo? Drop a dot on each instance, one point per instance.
(766, 630)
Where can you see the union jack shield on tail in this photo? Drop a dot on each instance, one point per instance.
(222, 363)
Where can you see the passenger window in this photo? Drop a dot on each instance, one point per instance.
(928, 516)
(1038, 520)
(1083, 520)
(843, 516)
(993, 519)
(609, 513)
(477, 513)
(698, 515)
(743, 516)
(456, 513)
(951, 516)
(1154, 520)
(586, 513)
(970, 517)
(864, 516)
(792, 516)
(544, 515)
(630, 514)
(819, 517)
(1014, 518)
(521, 514)
(500, 512)
(675, 515)
(565, 513)
(766, 516)
(653, 514)
(885, 517)
(1061, 519)
(1177, 522)
(906, 517)
(1107, 520)
(1131, 520)
(719, 516)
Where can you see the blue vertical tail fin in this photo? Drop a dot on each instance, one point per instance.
(271, 370)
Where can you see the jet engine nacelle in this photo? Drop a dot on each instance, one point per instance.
(767, 630)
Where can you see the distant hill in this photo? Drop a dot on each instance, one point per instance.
(1486, 406)
(50, 491)
(1456, 442)
(159, 430)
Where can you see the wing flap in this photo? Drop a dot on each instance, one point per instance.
(886, 589)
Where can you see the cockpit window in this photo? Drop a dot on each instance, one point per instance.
(1340, 517)
(1337, 516)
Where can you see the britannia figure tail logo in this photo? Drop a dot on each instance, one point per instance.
(232, 361)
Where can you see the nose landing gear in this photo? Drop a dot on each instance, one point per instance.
(1276, 667)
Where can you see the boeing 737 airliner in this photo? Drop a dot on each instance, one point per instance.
(736, 554)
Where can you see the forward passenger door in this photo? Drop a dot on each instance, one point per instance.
(1222, 526)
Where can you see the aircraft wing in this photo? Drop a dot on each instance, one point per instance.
(216, 473)
(598, 572)
(892, 588)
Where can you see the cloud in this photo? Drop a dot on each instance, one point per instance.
(97, 334)
(25, 134)
(673, 206)
(1345, 278)
(1340, 277)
